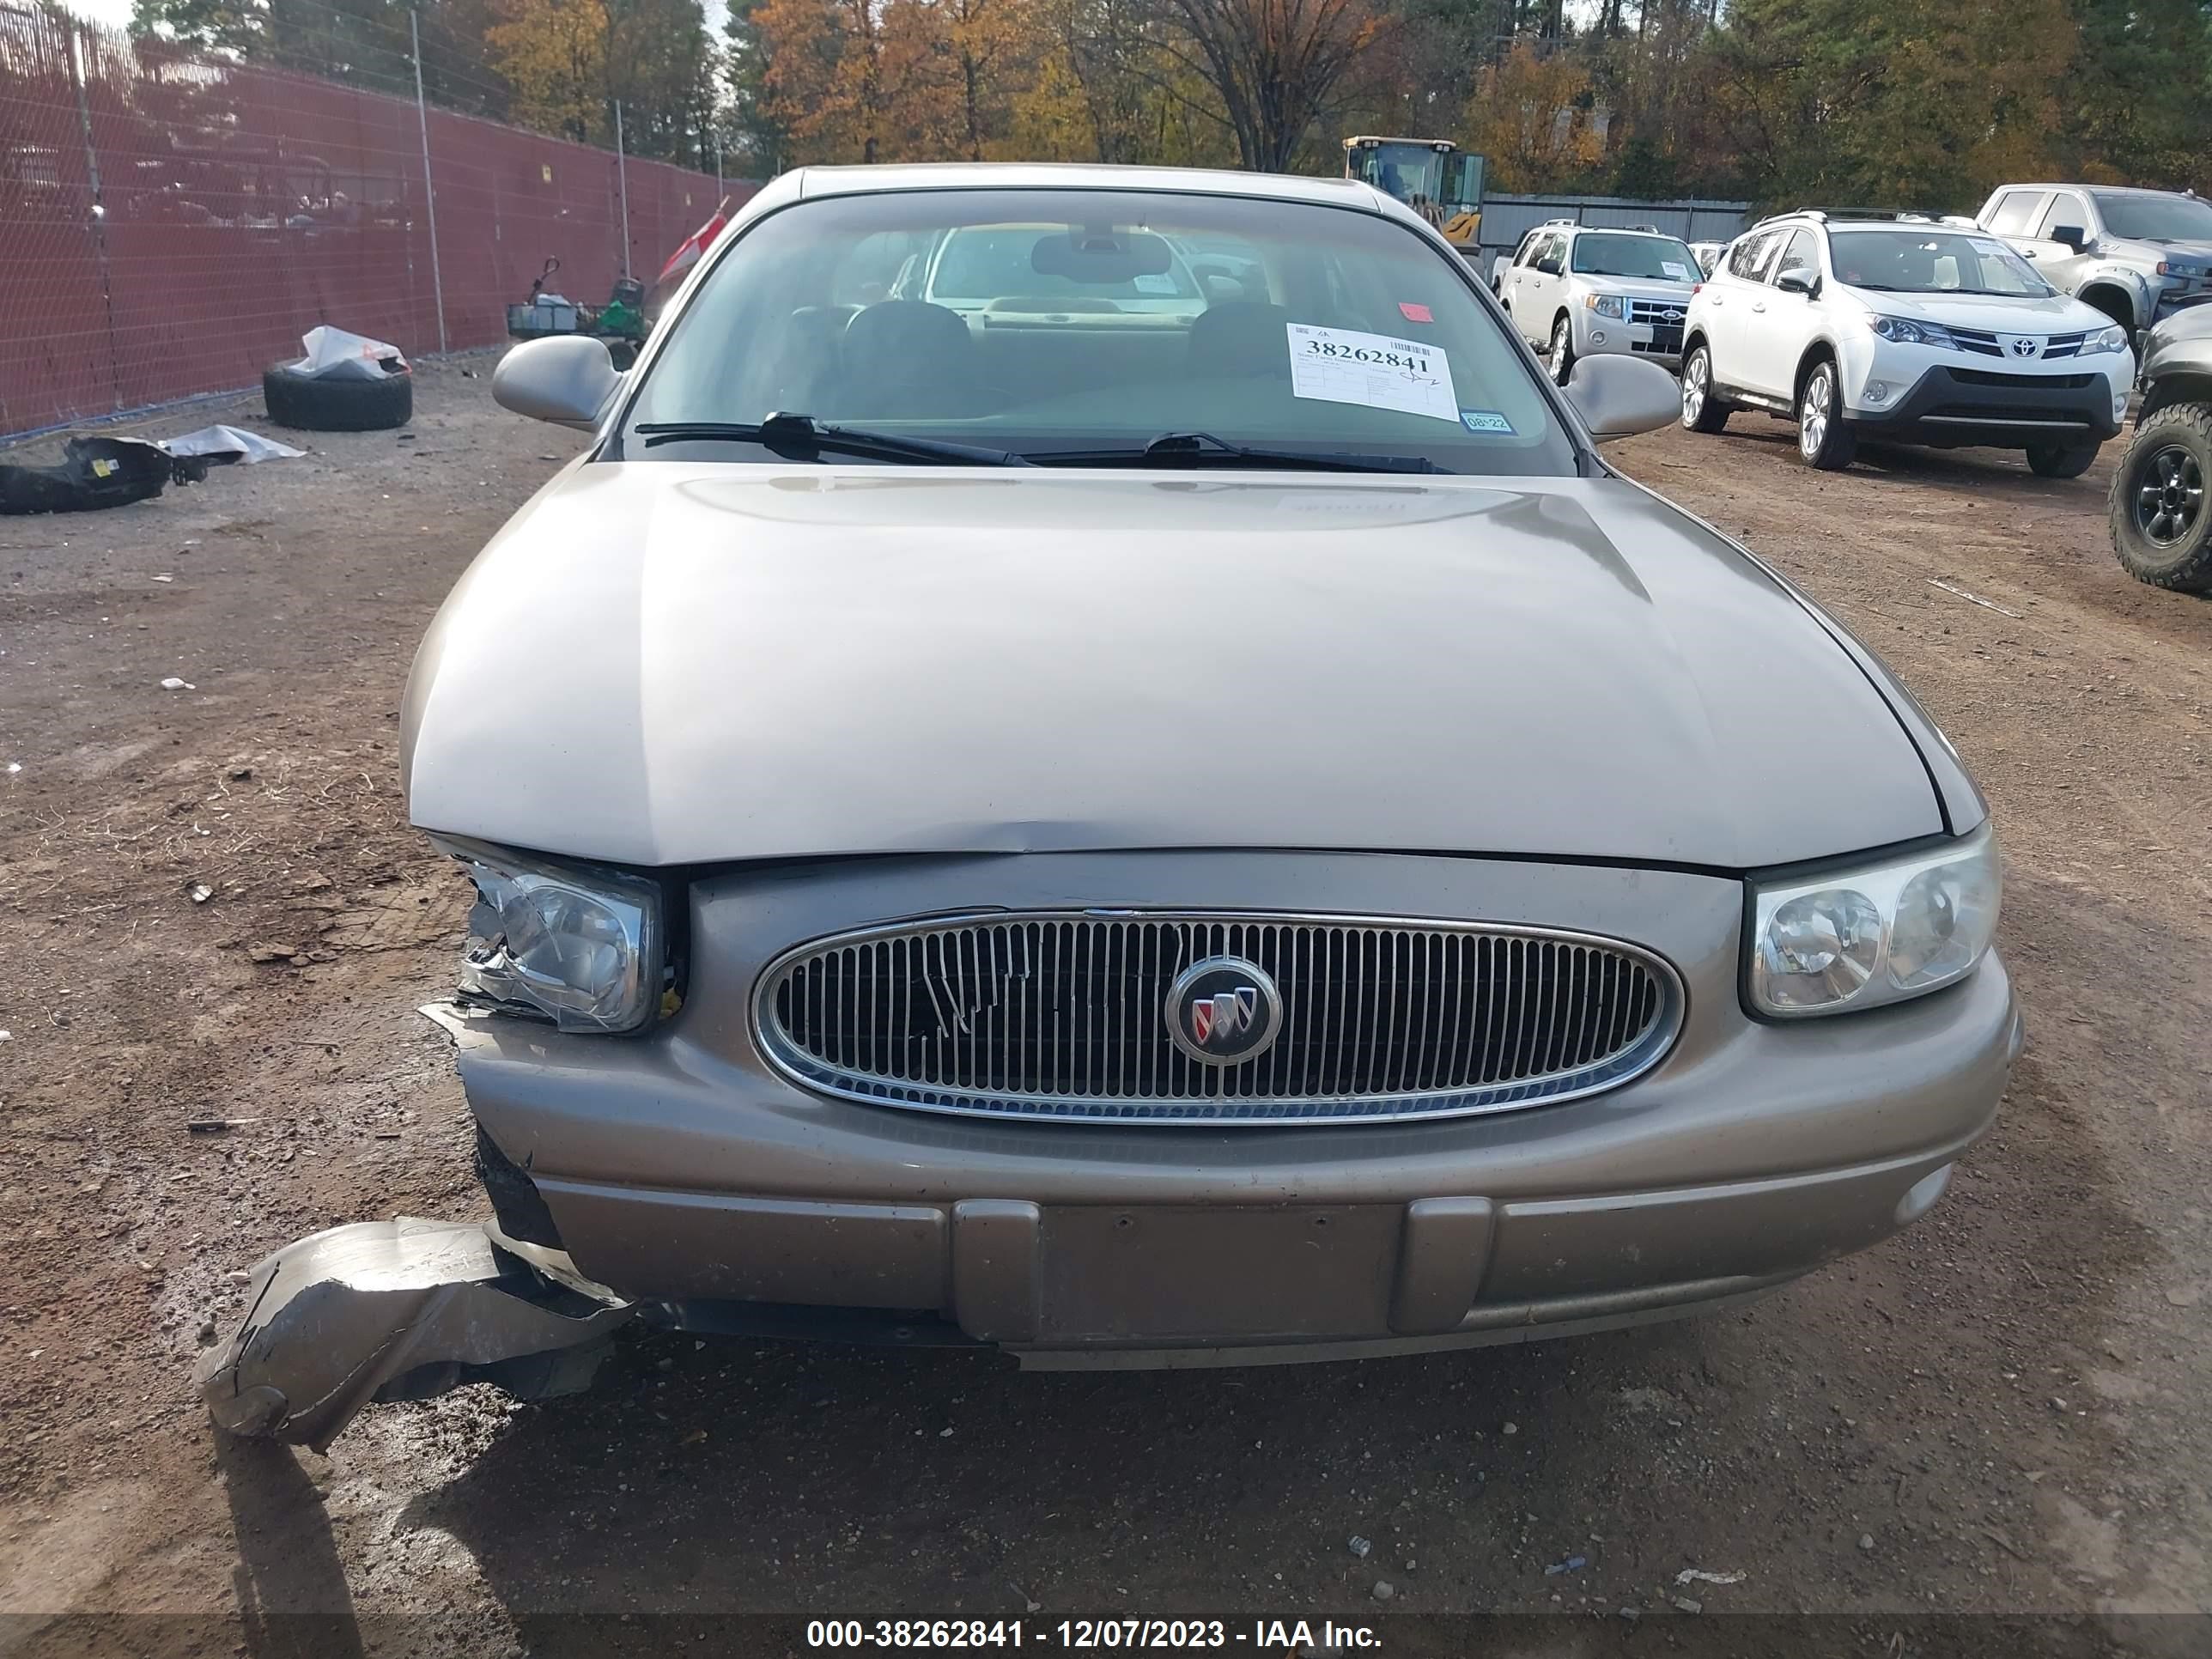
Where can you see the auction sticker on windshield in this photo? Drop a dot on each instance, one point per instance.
(1343, 366)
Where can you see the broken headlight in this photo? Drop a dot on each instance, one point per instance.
(580, 946)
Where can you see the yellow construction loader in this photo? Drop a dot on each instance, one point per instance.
(1431, 176)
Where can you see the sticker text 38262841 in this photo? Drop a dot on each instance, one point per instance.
(1345, 366)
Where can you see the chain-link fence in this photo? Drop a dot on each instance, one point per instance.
(170, 224)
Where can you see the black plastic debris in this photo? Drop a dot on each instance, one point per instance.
(96, 473)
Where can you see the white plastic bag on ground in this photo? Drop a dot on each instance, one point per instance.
(230, 442)
(333, 351)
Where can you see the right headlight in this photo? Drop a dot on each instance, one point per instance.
(578, 946)
(1905, 330)
(1860, 938)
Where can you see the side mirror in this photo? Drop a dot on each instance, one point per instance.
(2070, 236)
(1620, 396)
(1798, 282)
(568, 380)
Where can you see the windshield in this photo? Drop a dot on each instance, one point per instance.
(1313, 331)
(1661, 259)
(1939, 262)
(2156, 218)
(1405, 171)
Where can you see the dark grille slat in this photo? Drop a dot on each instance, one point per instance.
(1062, 1016)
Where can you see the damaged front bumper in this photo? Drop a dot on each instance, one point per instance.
(401, 1310)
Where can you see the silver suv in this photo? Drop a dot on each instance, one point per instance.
(2136, 255)
(1586, 291)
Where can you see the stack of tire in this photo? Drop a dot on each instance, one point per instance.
(331, 403)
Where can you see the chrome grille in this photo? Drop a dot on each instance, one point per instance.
(2062, 345)
(1975, 339)
(1062, 1016)
(1664, 319)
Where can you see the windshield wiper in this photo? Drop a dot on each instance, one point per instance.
(1204, 449)
(803, 437)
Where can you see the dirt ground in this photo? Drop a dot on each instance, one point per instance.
(2008, 1410)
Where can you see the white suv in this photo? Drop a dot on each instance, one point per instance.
(1904, 329)
(1582, 290)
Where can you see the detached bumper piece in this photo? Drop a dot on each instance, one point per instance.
(399, 1309)
(95, 473)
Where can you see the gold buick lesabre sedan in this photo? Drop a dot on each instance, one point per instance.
(1092, 760)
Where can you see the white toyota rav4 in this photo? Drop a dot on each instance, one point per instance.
(1585, 290)
(1907, 330)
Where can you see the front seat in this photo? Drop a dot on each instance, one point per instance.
(906, 359)
(1240, 339)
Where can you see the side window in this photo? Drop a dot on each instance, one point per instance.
(1799, 256)
(1745, 257)
(1526, 254)
(2017, 211)
(2066, 209)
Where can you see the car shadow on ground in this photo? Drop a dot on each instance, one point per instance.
(741, 1476)
(1978, 472)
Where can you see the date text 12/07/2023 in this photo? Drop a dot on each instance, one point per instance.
(1284, 1635)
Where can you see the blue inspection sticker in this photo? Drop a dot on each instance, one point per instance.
(1486, 420)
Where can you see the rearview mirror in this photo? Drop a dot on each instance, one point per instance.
(1100, 256)
(1620, 397)
(1798, 282)
(2069, 236)
(568, 381)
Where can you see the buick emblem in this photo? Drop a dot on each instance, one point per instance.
(1224, 1009)
(2021, 346)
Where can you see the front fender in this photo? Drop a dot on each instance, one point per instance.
(2128, 282)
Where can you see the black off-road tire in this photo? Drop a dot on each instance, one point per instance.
(2062, 460)
(331, 404)
(1825, 438)
(1711, 410)
(2160, 509)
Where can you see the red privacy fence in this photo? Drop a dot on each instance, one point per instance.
(171, 224)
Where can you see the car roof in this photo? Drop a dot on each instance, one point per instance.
(1904, 226)
(812, 182)
(2102, 190)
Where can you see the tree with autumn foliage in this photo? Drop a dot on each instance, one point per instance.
(569, 62)
(1530, 116)
(1895, 103)
(1275, 66)
(1886, 102)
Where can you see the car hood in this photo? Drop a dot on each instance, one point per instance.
(1641, 288)
(663, 663)
(2193, 249)
(2001, 314)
